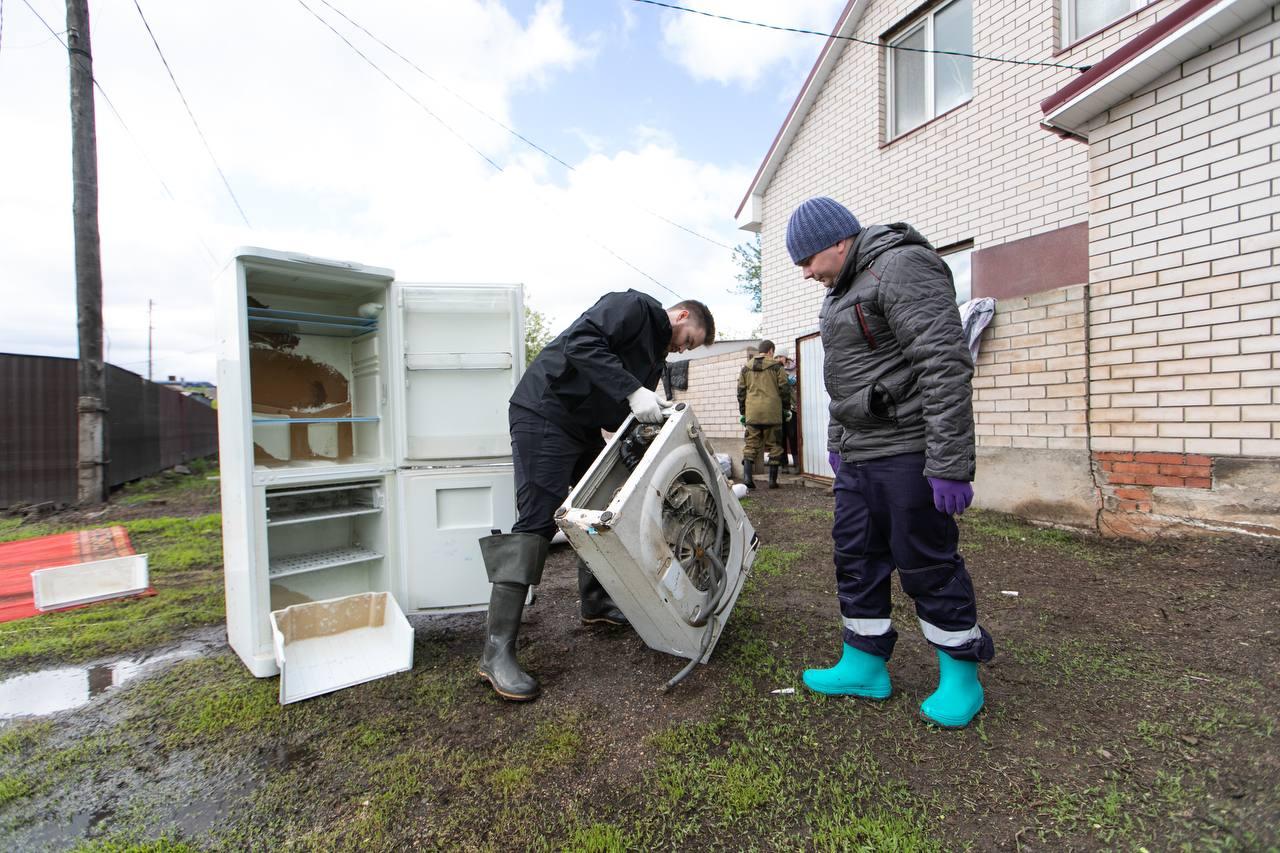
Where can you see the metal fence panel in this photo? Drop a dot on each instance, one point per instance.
(149, 428)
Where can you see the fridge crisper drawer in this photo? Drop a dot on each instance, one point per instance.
(324, 646)
(324, 527)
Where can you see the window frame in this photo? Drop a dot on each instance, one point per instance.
(1067, 20)
(961, 247)
(926, 20)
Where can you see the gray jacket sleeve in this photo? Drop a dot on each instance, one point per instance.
(919, 303)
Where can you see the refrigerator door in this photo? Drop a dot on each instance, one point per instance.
(647, 518)
(460, 353)
(444, 512)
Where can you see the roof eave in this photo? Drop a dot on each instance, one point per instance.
(1188, 31)
(750, 212)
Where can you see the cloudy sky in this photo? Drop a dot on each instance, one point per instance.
(658, 114)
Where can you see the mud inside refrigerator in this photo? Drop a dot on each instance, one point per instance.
(316, 355)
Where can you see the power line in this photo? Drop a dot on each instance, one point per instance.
(535, 146)
(465, 141)
(142, 151)
(192, 115)
(803, 31)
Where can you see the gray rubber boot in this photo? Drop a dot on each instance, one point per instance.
(595, 604)
(746, 474)
(773, 476)
(513, 562)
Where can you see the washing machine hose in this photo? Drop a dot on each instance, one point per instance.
(721, 580)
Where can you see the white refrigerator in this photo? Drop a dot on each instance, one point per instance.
(363, 439)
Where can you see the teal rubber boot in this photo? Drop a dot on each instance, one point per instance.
(959, 693)
(857, 674)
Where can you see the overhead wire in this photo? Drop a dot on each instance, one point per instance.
(527, 141)
(466, 141)
(142, 151)
(226, 183)
(855, 39)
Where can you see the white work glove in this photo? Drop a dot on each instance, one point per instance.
(646, 405)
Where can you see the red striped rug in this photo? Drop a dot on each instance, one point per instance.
(19, 559)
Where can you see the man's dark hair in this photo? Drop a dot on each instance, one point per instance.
(765, 346)
(701, 315)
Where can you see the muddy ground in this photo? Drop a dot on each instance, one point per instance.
(1133, 704)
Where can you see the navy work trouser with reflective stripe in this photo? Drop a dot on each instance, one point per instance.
(885, 519)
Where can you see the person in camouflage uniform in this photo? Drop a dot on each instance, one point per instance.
(764, 404)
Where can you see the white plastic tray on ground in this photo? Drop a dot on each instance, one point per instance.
(322, 646)
(83, 583)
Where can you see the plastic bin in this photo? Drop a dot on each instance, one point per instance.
(322, 646)
(82, 583)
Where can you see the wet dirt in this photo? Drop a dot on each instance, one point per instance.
(1134, 700)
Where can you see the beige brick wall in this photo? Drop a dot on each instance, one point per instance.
(713, 393)
(986, 171)
(1029, 386)
(1185, 257)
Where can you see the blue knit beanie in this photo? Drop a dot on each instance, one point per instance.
(817, 224)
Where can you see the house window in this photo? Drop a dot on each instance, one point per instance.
(957, 258)
(921, 84)
(1081, 18)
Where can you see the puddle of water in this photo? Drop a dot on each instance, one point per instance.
(36, 694)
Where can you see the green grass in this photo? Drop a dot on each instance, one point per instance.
(207, 700)
(185, 565)
(985, 525)
(771, 562)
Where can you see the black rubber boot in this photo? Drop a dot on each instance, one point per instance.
(773, 476)
(514, 562)
(746, 474)
(596, 605)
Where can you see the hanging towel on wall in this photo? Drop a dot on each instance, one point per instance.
(974, 317)
(675, 377)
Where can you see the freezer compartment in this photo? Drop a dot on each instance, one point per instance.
(326, 541)
(446, 512)
(316, 367)
(328, 645)
(82, 583)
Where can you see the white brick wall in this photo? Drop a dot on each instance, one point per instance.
(1185, 309)
(985, 172)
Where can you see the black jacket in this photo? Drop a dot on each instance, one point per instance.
(895, 360)
(580, 381)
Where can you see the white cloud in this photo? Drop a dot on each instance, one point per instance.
(329, 159)
(729, 52)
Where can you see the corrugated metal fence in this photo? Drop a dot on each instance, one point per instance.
(149, 428)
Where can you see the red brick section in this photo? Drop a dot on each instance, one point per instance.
(1127, 478)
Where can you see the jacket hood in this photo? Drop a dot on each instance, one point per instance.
(872, 242)
(760, 361)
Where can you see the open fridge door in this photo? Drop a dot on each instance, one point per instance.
(460, 354)
(656, 521)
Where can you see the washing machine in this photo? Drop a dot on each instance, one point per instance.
(656, 521)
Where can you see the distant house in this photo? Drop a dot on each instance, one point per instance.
(206, 390)
(1125, 217)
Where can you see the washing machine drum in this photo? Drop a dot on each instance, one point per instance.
(655, 520)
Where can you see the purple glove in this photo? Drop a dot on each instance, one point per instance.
(951, 496)
(833, 459)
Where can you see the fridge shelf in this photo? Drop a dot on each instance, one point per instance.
(317, 560)
(301, 322)
(321, 514)
(363, 420)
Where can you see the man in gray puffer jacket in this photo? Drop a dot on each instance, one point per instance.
(900, 440)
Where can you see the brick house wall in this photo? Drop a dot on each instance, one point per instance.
(1135, 390)
(713, 393)
(1184, 242)
(1003, 177)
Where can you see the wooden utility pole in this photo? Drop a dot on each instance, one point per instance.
(91, 406)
